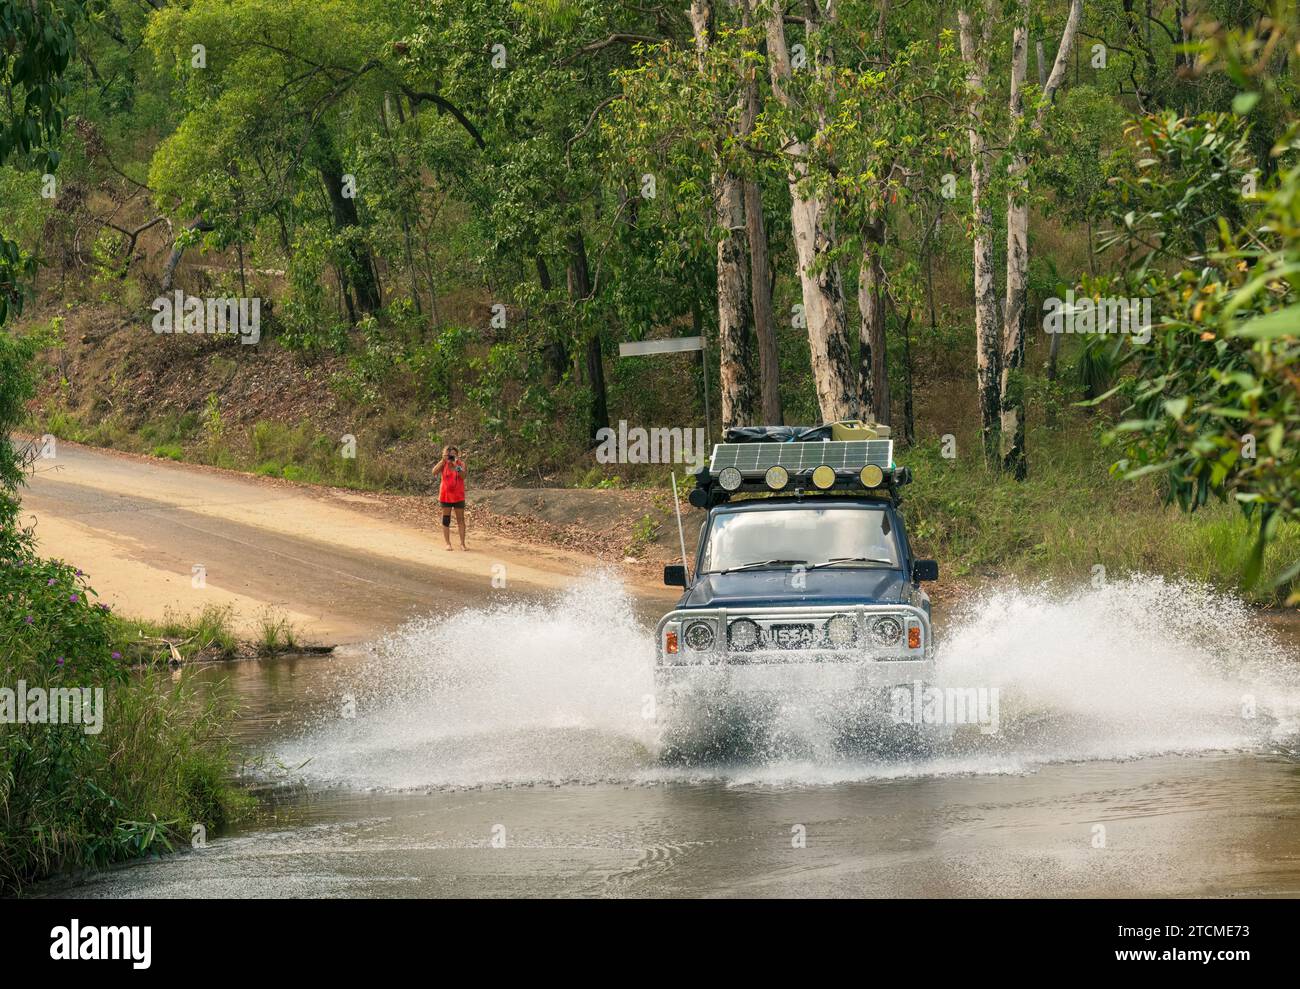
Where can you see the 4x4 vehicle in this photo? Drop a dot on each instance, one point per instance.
(803, 574)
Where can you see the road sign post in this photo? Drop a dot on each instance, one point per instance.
(676, 345)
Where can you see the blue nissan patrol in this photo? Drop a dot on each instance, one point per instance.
(804, 573)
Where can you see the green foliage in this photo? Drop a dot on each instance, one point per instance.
(68, 798)
(48, 615)
(277, 635)
(1071, 514)
(1082, 132)
(380, 357)
(1214, 408)
(438, 365)
(16, 387)
(310, 322)
(1189, 176)
(39, 41)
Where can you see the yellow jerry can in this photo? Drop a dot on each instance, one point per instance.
(855, 429)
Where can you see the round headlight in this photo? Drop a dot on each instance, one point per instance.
(730, 478)
(743, 634)
(871, 476)
(777, 478)
(841, 631)
(699, 636)
(887, 631)
(823, 477)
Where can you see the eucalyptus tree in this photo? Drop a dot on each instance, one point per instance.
(684, 116)
(890, 138)
(999, 333)
(1024, 132)
(275, 94)
(804, 101)
(535, 77)
(36, 46)
(729, 207)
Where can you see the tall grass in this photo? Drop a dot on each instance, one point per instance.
(1070, 516)
(277, 635)
(206, 634)
(69, 800)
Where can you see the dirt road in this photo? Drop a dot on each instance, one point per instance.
(156, 537)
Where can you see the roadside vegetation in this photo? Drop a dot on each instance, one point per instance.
(1072, 515)
(158, 766)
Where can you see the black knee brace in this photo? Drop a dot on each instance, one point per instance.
(446, 521)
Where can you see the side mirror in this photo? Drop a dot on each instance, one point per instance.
(675, 575)
(925, 570)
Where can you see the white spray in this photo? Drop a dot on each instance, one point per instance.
(530, 694)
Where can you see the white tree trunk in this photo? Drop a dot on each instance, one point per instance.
(1011, 392)
(974, 52)
(734, 326)
(812, 224)
(873, 374)
(760, 288)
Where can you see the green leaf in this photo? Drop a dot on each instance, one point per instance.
(1243, 103)
(1282, 323)
(1087, 403)
(1287, 575)
(1137, 425)
(1148, 469)
(1254, 562)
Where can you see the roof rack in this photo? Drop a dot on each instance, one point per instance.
(802, 460)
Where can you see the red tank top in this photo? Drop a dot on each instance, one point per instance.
(453, 482)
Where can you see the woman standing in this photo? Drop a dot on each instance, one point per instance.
(451, 494)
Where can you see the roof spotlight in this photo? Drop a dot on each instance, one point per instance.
(777, 478)
(871, 476)
(730, 478)
(823, 478)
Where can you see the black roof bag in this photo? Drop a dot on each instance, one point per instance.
(777, 434)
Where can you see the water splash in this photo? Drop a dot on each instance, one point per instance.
(512, 693)
(1136, 667)
(527, 693)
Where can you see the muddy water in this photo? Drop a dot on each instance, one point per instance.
(1147, 745)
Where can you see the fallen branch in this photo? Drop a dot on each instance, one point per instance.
(131, 235)
(178, 249)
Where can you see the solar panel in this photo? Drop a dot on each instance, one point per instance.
(844, 455)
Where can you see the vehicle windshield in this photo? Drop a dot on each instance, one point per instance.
(833, 536)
